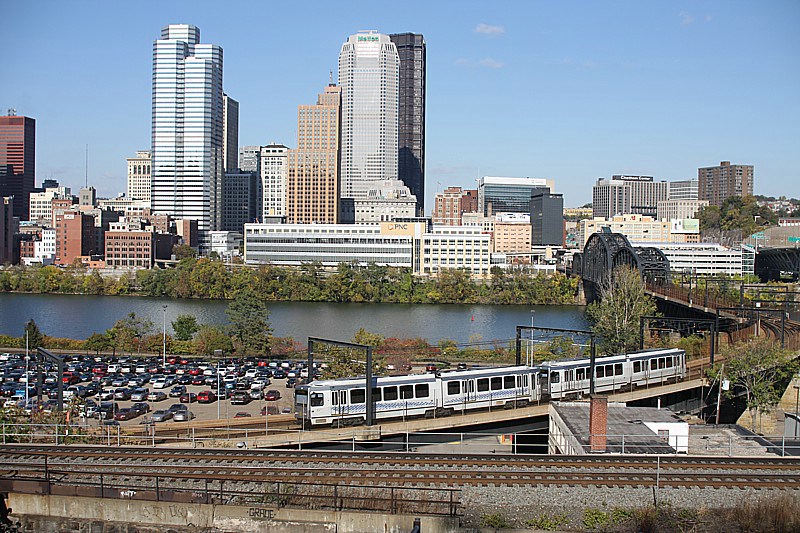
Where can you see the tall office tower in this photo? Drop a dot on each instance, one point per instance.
(187, 156)
(628, 195)
(313, 184)
(239, 200)
(274, 166)
(411, 135)
(230, 132)
(547, 219)
(369, 72)
(248, 158)
(723, 181)
(453, 202)
(7, 230)
(139, 176)
(17, 160)
(684, 190)
(509, 195)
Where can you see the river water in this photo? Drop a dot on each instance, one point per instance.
(78, 316)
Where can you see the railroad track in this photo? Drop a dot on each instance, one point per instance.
(193, 467)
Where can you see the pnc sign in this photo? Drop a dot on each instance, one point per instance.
(398, 228)
(367, 38)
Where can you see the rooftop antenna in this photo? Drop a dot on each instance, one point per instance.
(330, 78)
(12, 112)
(86, 168)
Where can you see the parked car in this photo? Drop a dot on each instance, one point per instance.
(162, 415)
(206, 396)
(107, 410)
(188, 397)
(139, 395)
(122, 394)
(240, 398)
(242, 414)
(272, 395)
(141, 408)
(105, 395)
(256, 394)
(157, 396)
(291, 382)
(175, 407)
(177, 391)
(126, 414)
(183, 416)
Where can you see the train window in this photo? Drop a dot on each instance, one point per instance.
(618, 369)
(669, 362)
(421, 390)
(335, 397)
(483, 384)
(580, 374)
(406, 392)
(316, 399)
(389, 394)
(509, 382)
(525, 379)
(497, 383)
(653, 364)
(555, 377)
(358, 396)
(453, 387)
(376, 394)
(637, 366)
(661, 362)
(601, 371)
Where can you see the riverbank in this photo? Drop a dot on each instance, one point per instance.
(214, 280)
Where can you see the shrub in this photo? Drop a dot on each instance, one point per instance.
(494, 520)
(548, 523)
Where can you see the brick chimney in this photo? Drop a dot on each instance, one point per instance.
(598, 423)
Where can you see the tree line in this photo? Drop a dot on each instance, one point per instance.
(206, 278)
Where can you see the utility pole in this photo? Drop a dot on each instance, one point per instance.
(164, 339)
(719, 391)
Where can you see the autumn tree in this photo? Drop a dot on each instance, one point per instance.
(616, 316)
(209, 338)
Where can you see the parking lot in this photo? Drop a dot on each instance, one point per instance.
(101, 387)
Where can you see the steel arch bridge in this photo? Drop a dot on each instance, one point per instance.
(604, 252)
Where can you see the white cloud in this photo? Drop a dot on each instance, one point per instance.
(490, 63)
(686, 18)
(489, 29)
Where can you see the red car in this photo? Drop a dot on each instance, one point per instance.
(206, 396)
(272, 395)
(188, 397)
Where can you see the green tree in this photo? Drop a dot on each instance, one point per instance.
(183, 251)
(34, 336)
(185, 326)
(616, 316)
(97, 342)
(761, 368)
(129, 331)
(250, 327)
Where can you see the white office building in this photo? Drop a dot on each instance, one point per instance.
(624, 194)
(40, 204)
(455, 247)
(684, 190)
(369, 73)
(187, 150)
(274, 172)
(706, 258)
(139, 176)
(679, 209)
(386, 200)
(44, 250)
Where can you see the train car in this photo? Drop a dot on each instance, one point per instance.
(343, 402)
(571, 378)
(507, 387)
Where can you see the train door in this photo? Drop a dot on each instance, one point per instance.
(468, 392)
(344, 405)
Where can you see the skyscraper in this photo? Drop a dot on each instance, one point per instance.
(139, 176)
(723, 181)
(313, 185)
(230, 132)
(273, 165)
(411, 137)
(369, 71)
(187, 155)
(17, 160)
(628, 195)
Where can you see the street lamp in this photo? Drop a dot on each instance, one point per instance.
(164, 339)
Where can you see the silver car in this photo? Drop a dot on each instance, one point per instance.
(162, 415)
(183, 416)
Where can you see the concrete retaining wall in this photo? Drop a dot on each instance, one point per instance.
(68, 513)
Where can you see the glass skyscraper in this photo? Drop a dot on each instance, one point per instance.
(187, 151)
(369, 70)
(411, 135)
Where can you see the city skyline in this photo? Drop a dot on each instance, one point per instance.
(659, 89)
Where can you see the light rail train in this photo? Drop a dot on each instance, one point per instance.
(342, 402)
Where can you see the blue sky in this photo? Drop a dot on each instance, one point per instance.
(561, 89)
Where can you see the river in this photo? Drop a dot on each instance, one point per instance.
(78, 316)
